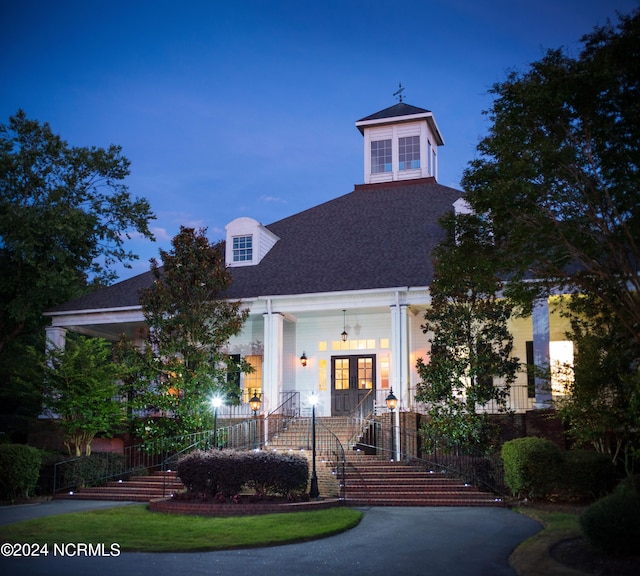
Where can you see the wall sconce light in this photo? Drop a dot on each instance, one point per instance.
(344, 322)
(303, 359)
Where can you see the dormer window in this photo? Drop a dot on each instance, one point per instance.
(243, 248)
(247, 242)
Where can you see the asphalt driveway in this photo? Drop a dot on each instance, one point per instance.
(389, 541)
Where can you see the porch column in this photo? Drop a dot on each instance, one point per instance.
(399, 365)
(273, 360)
(540, 320)
(404, 358)
(56, 337)
(400, 368)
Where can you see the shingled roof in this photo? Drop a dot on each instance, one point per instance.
(378, 236)
(399, 109)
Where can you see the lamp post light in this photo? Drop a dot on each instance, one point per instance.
(255, 406)
(392, 402)
(216, 402)
(313, 492)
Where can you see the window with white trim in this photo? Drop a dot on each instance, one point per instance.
(242, 248)
(380, 156)
(409, 153)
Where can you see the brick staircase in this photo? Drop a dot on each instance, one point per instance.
(136, 489)
(297, 439)
(370, 481)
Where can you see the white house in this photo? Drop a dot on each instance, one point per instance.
(344, 284)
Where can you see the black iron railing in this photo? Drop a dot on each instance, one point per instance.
(477, 468)
(279, 420)
(141, 459)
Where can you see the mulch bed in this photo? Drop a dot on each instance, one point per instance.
(243, 507)
(576, 553)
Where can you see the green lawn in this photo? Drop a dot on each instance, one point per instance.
(135, 528)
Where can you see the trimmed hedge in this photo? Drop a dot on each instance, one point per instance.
(215, 473)
(91, 470)
(612, 524)
(532, 466)
(19, 470)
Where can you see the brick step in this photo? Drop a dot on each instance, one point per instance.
(138, 489)
(146, 485)
(409, 486)
(403, 477)
(382, 492)
(156, 489)
(392, 471)
(430, 502)
(119, 497)
(372, 481)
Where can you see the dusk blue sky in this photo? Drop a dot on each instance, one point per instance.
(248, 108)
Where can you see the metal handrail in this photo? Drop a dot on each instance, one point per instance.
(476, 469)
(279, 419)
(333, 447)
(364, 408)
(156, 454)
(136, 458)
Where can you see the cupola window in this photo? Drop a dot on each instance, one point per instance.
(409, 153)
(381, 156)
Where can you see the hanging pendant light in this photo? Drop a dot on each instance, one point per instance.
(344, 330)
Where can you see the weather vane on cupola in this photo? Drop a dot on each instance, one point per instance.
(399, 92)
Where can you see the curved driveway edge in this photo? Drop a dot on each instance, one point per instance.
(389, 541)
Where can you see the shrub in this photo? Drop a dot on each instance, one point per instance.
(612, 524)
(219, 472)
(194, 471)
(91, 470)
(531, 466)
(629, 484)
(47, 466)
(586, 475)
(19, 470)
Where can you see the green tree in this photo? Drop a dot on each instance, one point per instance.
(558, 173)
(602, 405)
(81, 389)
(64, 216)
(470, 363)
(190, 323)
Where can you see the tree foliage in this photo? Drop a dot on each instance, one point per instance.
(64, 214)
(559, 173)
(80, 388)
(470, 363)
(190, 323)
(602, 405)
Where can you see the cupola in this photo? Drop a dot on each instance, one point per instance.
(400, 143)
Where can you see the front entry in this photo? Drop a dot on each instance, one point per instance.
(351, 379)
